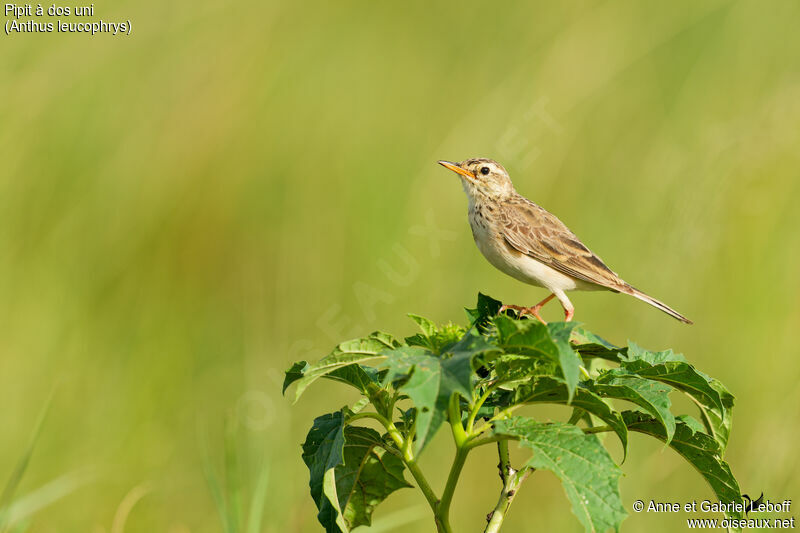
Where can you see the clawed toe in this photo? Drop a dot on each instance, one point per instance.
(522, 311)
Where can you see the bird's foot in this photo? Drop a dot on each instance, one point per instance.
(516, 308)
(521, 311)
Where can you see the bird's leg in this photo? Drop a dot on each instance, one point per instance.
(529, 310)
(536, 308)
(569, 309)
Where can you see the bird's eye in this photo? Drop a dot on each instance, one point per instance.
(484, 170)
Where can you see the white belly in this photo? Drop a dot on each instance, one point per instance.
(521, 266)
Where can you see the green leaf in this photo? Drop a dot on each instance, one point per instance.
(511, 369)
(529, 337)
(435, 338)
(691, 423)
(713, 399)
(354, 374)
(351, 472)
(525, 337)
(294, 373)
(486, 308)
(407, 418)
(589, 475)
(561, 331)
(429, 381)
(359, 405)
(347, 353)
(637, 353)
(587, 344)
(471, 344)
(699, 449)
(427, 326)
(717, 422)
(680, 375)
(550, 390)
(569, 361)
(367, 477)
(359, 376)
(323, 450)
(652, 396)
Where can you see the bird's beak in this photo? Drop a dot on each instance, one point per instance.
(457, 169)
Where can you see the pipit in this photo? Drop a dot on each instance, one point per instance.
(530, 244)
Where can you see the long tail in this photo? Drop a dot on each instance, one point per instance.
(636, 293)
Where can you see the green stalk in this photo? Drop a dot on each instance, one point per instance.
(505, 460)
(454, 415)
(512, 480)
(407, 455)
(474, 412)
(474, 443)
(413, 467)
(462, 450)
(443, 511)
(499, 416)
(510, 489)
(598, 429)
(426, 489)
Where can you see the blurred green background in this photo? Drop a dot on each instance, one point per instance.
(187, 210)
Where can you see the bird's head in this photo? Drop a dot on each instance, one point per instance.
(482, 177)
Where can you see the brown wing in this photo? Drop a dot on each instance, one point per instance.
(533, 231)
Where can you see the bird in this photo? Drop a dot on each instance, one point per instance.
(532, 245)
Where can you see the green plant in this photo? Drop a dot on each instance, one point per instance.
(474, 380)
(16, 512)
(233, 479)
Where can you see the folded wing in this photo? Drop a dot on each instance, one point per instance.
(533, 231)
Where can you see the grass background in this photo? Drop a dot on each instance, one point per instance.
(186, 210)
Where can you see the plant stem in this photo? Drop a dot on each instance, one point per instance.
(462, 450)
(454, 415)
(443, 512)
(413, 467)
(426, 489)
(488, 424)
(475, 408)
(510, 489)
(512, 479)
(407, 455)
(598, 429)
(505, 460)
(474, 443)
(416, 472)
(380, 418)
